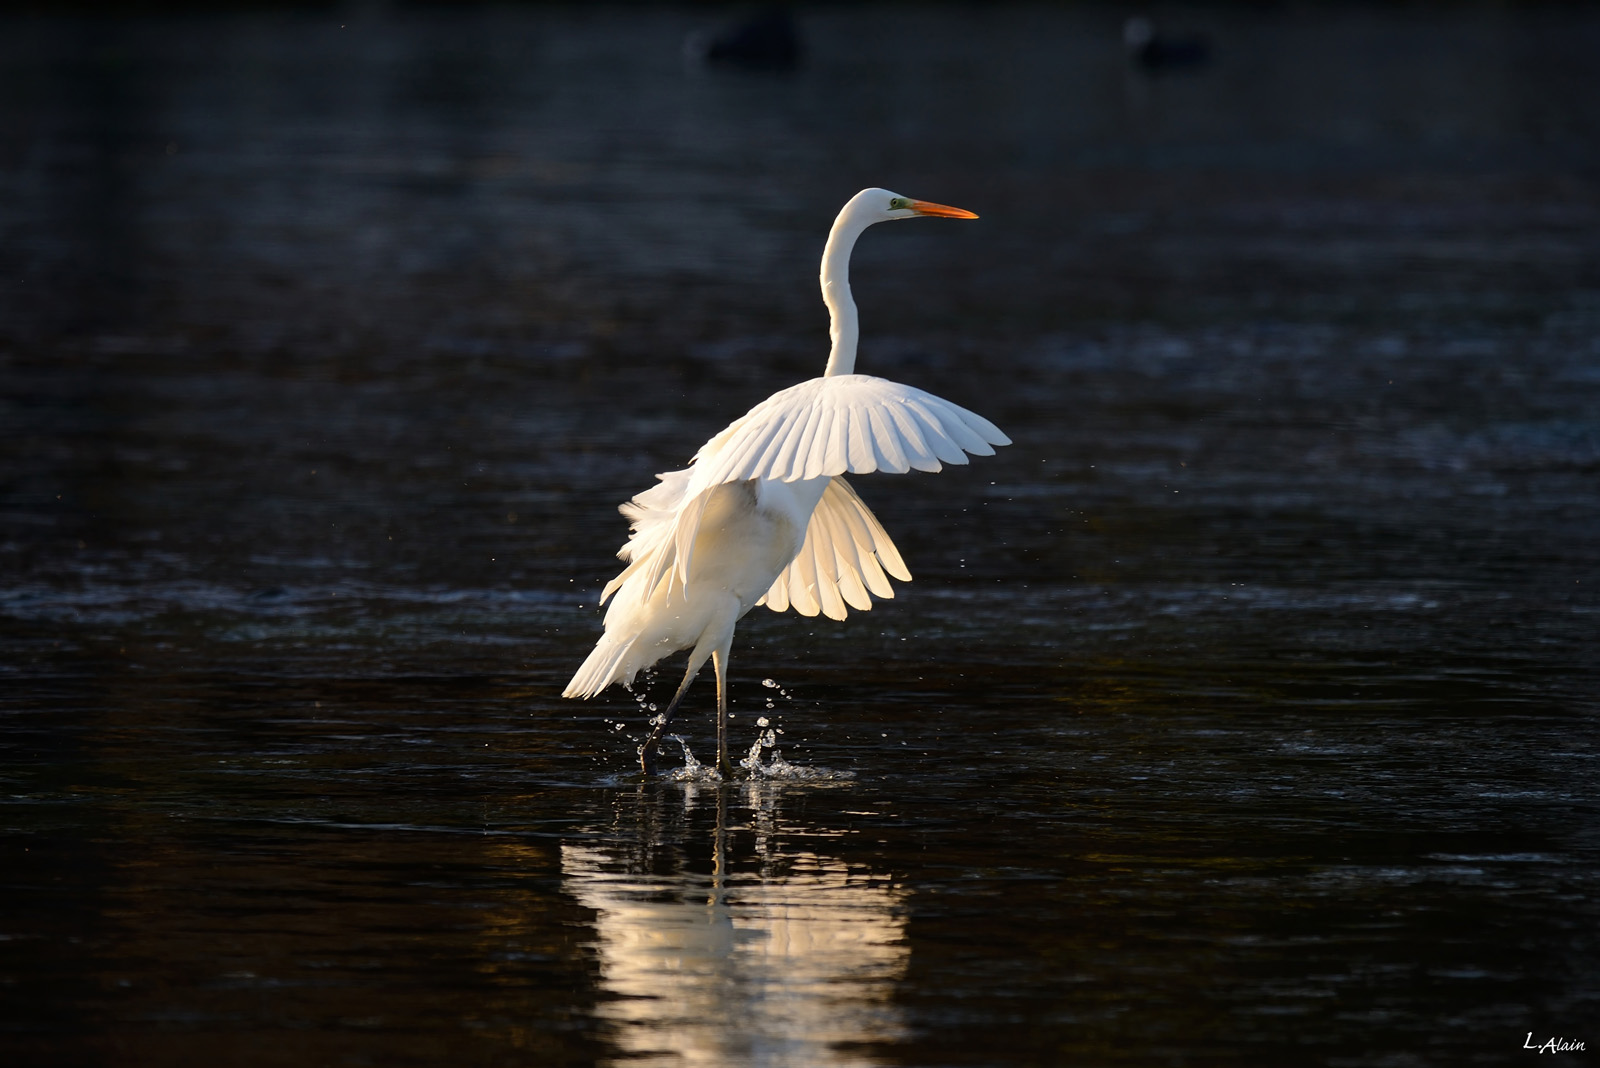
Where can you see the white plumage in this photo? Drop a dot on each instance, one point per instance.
(854, 424)
(844, 557)
(763, 515)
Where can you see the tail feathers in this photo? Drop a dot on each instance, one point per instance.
(651, 553)
(605, 665)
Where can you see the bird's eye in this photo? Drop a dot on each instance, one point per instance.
(896, 203)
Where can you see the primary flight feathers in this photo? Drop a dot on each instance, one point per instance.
(845, 554)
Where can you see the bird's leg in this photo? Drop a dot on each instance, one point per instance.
(647, 751)
(719, 660)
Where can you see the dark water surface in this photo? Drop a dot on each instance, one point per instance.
(1243, 712)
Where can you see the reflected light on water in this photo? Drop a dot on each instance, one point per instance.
(791, 962)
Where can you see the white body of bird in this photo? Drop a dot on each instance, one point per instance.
(763, 516)
(747, 533)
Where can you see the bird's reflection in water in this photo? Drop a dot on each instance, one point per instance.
(775, 956)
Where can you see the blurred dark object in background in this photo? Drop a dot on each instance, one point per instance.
(1156, 51)
(766, 40)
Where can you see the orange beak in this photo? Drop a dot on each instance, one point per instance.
(943, 211)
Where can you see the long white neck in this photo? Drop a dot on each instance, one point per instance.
(843, 326)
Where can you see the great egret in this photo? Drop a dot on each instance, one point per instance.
(762, 516)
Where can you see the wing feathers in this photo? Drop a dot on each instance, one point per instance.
(845, 423)
(935, 434)
(964, 435)
(841, 562)
(821, 428)
(891, 454)
(813, 434)
(871, 572)
(862, 457)
(984, 429)
(803, 584)
(687, 526)
(853, 592)
(876, 536)
(922, 457)
(797, 440)
(777, 597)
(848, 565)
(825, 449)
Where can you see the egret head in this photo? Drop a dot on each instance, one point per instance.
(880, 205)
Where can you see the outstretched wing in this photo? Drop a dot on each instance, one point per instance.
(845, 554)
(852, 424)
(829, 426)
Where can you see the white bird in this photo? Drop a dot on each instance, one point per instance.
(762, 515)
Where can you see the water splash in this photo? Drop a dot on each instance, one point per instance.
(639, 689)
(767, 739)
(772, 684)
(692, 771)
(780, 769)
(774, 769)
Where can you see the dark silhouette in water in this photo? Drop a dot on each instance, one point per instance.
(1157, 51)
(767, 40)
